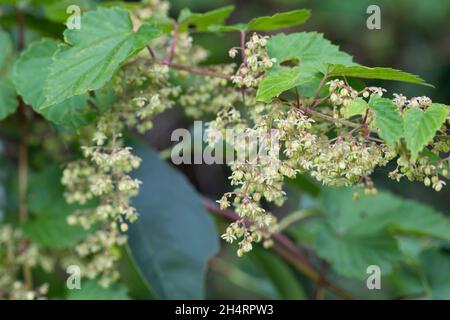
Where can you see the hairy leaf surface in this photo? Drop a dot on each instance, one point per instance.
(376, 73)
(268, 23)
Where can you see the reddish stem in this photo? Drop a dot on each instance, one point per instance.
(286, 249)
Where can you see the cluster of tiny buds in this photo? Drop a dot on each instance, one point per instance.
(149, 9)
(341, 93)
(85, 181)
(19, 291)
(137, 109)
(255, 62)
(99, 250)
(210, 94)
(256, 224)
(143, 90)
(185, 52)
(226, 118)
(346, 160)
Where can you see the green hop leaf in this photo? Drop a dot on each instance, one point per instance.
(351, 254)
(355, 234)
(279, 20)
(435, 266)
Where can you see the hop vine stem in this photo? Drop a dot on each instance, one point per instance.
(317, 94)
(285, 248)
(173, 45)
(195, 70)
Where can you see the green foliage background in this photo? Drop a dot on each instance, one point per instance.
(174, 250)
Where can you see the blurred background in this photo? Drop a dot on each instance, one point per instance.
(414, 37)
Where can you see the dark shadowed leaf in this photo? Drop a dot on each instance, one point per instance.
(29, 74)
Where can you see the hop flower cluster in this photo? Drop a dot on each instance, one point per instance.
(348, 159)
(104, 177)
